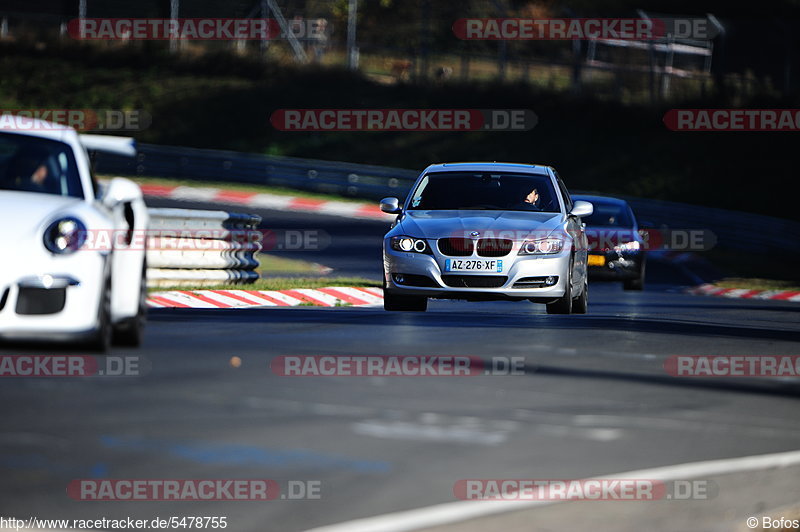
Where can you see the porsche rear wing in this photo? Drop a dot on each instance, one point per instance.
(117, 145)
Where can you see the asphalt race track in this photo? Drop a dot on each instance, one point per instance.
(594, 399)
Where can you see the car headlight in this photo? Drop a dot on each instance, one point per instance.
(628, 246)
(409, 244)
(542, 246)
(65, 235)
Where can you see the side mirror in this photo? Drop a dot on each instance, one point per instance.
(121, 190)
(582, 208)
(391, 206)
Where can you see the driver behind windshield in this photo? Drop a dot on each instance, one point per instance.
(29, 172)
(532, 199)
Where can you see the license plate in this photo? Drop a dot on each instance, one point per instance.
(597, 260)
(473, 265)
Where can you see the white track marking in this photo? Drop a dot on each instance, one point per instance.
(271, 201)
(185, 298)
(357, 293)
(293, 301)
(194, 194)
(328, 299)
(454, 512)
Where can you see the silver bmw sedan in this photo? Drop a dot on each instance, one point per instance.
(487, 231)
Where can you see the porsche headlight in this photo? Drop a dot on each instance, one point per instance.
(65, 235)
(409, 244)
(542, 246)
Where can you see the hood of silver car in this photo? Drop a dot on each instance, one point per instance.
(461, 223)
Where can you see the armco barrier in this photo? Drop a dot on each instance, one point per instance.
(200, 248)
(346, 179)
(741, 231)
(733, 230)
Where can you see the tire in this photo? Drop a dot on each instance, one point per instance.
(394, 302)
(100, 341)
(580, 305)
(129, 332)
(563, 305)
(635, 284)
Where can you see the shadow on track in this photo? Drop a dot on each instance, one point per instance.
(743, 386)
(461, 319)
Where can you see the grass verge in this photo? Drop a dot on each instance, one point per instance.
(756, 284)
(274, 265)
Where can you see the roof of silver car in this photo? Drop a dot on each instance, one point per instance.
(494, 164)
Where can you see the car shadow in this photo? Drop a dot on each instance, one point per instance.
(460, 319)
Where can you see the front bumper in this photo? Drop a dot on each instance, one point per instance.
(617, 266)
(516, 268)
(51, 298)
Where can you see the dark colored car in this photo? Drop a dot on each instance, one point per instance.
(616, 249)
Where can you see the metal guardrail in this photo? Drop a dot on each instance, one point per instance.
(741, 231)
(734, 230)
(345, 179)
(194, 247)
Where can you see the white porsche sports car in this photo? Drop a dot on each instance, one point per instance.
(72, 268)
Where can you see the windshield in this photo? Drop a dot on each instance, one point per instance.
(609, 214)
(34, 164)
(485, 191)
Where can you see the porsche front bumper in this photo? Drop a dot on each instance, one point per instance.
(52, 297)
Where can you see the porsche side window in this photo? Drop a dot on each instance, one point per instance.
(30, 164)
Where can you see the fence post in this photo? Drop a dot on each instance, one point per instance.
(174, 7)
(352, 50)
(666, 76)
(591, 54)
(576, 66)
(265, 15)
(651, 51)
(464, 67)
(502, 53)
